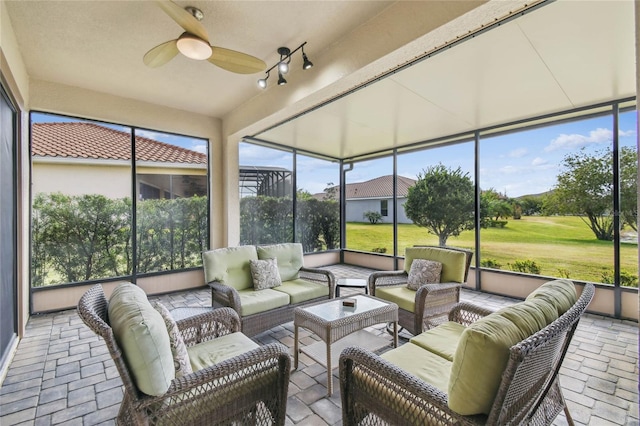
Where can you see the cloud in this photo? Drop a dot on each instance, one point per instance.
(622, 133)
(576, 140)
(538, 161)
(199, 147)
(518, 153)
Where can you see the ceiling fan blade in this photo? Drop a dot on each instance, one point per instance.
(161, 54)
(184, 19)
(237, 62)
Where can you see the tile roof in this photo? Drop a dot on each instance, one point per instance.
(380, 187)
(92, 141)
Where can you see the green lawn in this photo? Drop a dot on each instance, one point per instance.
(560, 246)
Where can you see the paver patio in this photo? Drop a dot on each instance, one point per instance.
(63, 374)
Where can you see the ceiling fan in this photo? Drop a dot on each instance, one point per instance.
(194, 44)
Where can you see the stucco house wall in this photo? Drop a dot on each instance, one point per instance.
(355, 209)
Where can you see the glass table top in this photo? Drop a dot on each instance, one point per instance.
(333, 309)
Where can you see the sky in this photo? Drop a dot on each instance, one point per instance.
(515, 164)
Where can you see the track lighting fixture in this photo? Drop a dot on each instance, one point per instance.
(283, 65)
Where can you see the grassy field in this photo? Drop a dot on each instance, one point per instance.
(560, 246)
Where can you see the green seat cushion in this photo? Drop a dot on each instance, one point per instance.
(425, 365)
(402, 296)
(230, 266)
(256, 301)
(214, 351)
(441, 340)
(479, 361)
(289, 255)
(302, 290)
(142, 335)
(454, 263)
(561, 293)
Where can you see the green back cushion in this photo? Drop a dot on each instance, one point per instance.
(142, 334)
(230, 266)
(454, 263)
(483, 352)
(560, 293)
(480, 359)
(289, 255)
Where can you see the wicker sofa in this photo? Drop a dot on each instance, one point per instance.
(232, 379)
(482, 367)
(228, 273)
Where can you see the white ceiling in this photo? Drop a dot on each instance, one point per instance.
(99, 45)
(564, 55)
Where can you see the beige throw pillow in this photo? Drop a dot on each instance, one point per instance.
(178, 348)
(265, 274)
(423, 272)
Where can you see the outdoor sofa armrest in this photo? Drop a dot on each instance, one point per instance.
(320, 276)
(224, 390)
(466, 313)
(208, 325)
(386, 278)
(436, 300)
(371, 386)
(225, 295)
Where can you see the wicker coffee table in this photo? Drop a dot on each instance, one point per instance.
(332, 322)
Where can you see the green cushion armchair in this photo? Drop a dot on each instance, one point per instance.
(234, 381)
(429, 305)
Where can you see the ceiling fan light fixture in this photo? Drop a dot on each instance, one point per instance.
(193, 47)
(281, 80)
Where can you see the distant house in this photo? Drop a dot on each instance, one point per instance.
(80, 158)
(375, 195)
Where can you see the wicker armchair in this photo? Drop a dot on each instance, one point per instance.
(247, 389)
(375, 392)
(432, 302)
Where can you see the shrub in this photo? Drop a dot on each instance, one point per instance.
(372, 217)
(563, 273)
(490, 263)
(379, 250)
(526, 266)
(626, 279)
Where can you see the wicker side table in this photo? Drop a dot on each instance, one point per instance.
(331, 322)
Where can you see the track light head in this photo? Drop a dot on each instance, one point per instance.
(281, 80)
(307, 63)
(262, 83)
(283, 67)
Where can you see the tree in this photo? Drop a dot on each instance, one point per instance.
(629, 187)
(585, 188)
(531, 205)
(494, 206)
(442, 200)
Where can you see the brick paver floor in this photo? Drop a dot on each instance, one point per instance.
(63, 374)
